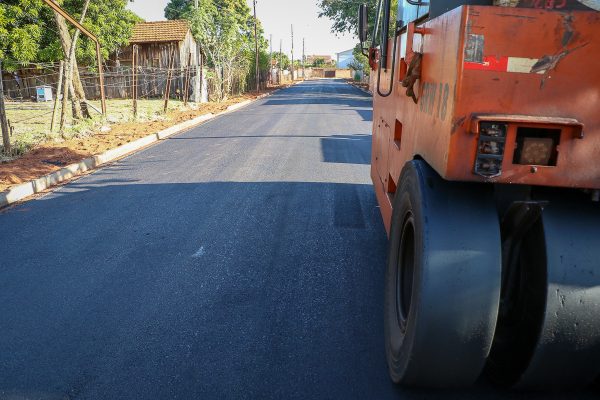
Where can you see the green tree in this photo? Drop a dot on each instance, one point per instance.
(319, 62)
(285, 60)
(110, 21)
(28, 30)
(360, 62)
(20, 31)
(344, 14)
(225, 31)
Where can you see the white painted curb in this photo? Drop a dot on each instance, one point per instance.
(24, 190)
(238, 105)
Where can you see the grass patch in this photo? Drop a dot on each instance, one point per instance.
(30, 121)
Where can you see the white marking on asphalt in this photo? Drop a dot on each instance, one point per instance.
(199, 253)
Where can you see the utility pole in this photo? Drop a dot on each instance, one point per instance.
(188, 75)
(303, 60)
(3, 121)
(134, 79)
(280, 62)
(292, 53)
(271, 59)
(168, 87)
(256, 49)
(199, 76)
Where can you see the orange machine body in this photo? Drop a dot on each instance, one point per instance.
(524, 68)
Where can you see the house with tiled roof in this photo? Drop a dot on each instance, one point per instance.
(160, 31)
(161, 44)
(156, 42)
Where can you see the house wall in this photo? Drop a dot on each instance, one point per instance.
(187, 47)
(152, 55)
(158, 55)
(344, 58)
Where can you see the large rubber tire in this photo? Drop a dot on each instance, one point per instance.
(443, 280)
(517, 329)
(567, 352)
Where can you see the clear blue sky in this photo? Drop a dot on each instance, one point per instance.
(276, 17)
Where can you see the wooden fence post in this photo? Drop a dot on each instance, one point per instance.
(134, 80)
(169, 72)
(57, 95)
(186, 89)
(3, 121)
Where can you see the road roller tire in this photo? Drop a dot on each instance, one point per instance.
(443, 278)
(552, 338)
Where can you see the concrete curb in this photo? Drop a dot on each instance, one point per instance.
(24, 190)
(239, 105)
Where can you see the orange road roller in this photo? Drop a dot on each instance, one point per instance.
(486, 168)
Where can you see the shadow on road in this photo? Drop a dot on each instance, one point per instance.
(350, 149)
(214, 290)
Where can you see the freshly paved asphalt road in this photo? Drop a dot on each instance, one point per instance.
(242, 259)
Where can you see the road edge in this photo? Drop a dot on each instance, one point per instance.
(25, 190)
(361, 89)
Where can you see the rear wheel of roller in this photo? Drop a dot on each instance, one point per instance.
(549, 334)
(443, 280)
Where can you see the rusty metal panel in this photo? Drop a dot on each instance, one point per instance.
(531, 68)
(539, 64)
(558, 5)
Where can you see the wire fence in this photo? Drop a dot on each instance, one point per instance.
(31, 116)
(22, 85)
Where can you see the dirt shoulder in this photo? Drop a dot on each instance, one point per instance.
(52, 156)
(360, 85)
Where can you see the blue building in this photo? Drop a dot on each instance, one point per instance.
(344, 58)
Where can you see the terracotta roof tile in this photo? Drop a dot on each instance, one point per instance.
(159, 31)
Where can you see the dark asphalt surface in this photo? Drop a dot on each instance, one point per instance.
(243, 259)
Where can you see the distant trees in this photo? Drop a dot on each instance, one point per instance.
(285, 60)
(319, 62)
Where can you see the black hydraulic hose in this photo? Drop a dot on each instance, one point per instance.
(376, 28)
(384, 49)
(392, 74)
(385, 32)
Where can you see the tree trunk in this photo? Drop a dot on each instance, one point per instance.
(69, 67)
(78, 96)
(58, 95)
